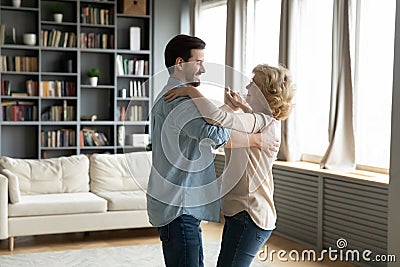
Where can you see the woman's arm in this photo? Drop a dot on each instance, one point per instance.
(192, 92)
(264, 141)
(243, 122)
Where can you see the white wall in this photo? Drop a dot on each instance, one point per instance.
(170, 19)
(394, 186)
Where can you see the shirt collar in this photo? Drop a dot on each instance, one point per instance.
(174, 82)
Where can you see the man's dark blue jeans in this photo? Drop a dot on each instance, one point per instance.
(182, 242)
(241, 240)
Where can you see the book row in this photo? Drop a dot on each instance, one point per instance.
(91, 137)
(18, 111)
(57, 88)
(7, 88)
(95, 15)
(56, 38)
(47, 88)
(133, 66)
(5, 37)
(19, 63)
(97, 40)
(136, 89)
(58, 138)
(59, 113)
(130, 113)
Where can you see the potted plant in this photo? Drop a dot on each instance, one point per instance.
(94, 75)
(57, 13)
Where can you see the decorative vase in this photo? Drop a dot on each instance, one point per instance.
(16, 3)
(29, 38)
(58, 17)
(93, 81)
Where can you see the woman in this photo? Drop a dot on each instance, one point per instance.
(248, 204)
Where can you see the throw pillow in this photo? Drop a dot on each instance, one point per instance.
(13, 186)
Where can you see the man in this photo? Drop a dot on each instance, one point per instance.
(182, 189)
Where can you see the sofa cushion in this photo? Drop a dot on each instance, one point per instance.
(46, 176)
(13, 186)
(56, 204)
(125, 200)
(119, 172)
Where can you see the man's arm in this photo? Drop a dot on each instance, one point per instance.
(188, 120)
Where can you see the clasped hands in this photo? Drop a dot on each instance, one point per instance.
(235, 101)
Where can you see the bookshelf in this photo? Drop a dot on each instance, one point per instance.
(46, 98)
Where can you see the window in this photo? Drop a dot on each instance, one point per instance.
(374, 68)
(263, 22)
(312, 75)
(310, 43)
(211, 28)
(373, 73)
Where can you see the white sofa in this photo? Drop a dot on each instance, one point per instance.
(73, 194)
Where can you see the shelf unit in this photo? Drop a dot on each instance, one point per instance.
(47, 122)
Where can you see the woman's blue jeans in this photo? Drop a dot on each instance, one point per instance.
(182, 242)
(241, 240)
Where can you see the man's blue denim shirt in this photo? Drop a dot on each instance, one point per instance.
(182, 178)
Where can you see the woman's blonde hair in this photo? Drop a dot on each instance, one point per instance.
(276, 85)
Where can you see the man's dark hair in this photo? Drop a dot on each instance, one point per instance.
(181, 46)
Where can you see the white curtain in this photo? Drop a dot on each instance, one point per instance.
(235, 44)
(340, 154)
(194, 7)
(287, 48)
(341, 150)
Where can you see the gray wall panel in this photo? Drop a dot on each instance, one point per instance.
(318, 210)
(296, 201)
(394, 195)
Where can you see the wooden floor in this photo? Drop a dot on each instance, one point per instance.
(211, 231)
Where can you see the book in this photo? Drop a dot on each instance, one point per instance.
(8, 103)
(10, 63)
(72, 39)
(122, 113)
(17, 63)
(64, 111)
(143, 90)
(89, 118)
(5, 87)
(88, 138)
(134, 34)
(45, 37)
(16, 94)
(57, 39)
(104, 139)
(81, 139)
(121, 135)
(120, 67)
(96, 139)
(2, 33)
(65, 40)
(131, 92)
